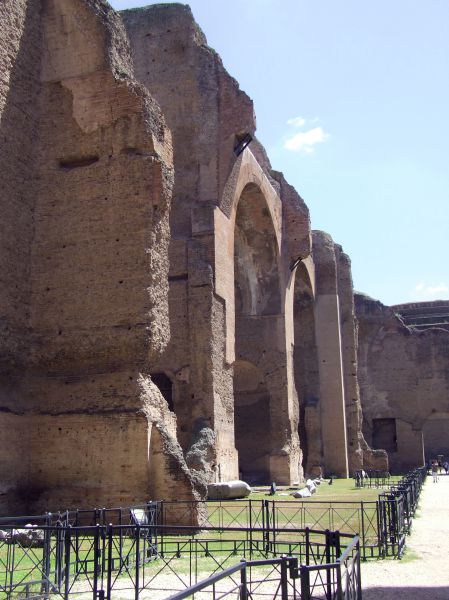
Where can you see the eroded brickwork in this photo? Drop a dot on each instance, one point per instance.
(167, 317)
(404, 384)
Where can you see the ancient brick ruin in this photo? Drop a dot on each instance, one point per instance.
(168, 318)
(403, 366)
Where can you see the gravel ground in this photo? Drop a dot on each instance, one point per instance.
(423, 574)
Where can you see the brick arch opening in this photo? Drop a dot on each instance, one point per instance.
(256, 271)
(252, 422)
(257, 310)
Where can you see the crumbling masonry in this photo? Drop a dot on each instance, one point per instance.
(167, 316)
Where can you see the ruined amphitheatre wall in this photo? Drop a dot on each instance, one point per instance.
(404, 384)
(101, 188)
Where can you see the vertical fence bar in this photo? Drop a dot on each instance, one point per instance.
(68, 542)
(243, 582)
(359, 574)
(96, 561)
(136, 595)
(284, 581)
(250, 529)
(339, 584)
(47, 556)
(110, 562)
(59, 553)
(328, 560)
(362, 509)
(307, 546)
(305, 583)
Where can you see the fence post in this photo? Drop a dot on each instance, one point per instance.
(96, 559)
(266, 532)
(284, 581)
(250, 528)
(136, 595)
(110, 562)
(359, 574)
(362, 508)
(243, 582)
(328, 560)
(47, 552)
(339, 585)
(305, 582)
(68, 542)
(307, 546)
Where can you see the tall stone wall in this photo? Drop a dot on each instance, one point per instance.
(208, 115)
(97, 266)
(19, 87)
(404, 384)
(159, 283)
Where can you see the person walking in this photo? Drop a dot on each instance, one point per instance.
(435, 471)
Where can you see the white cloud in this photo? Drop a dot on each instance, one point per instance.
(304, 141)
(297, 122)
(432, 291)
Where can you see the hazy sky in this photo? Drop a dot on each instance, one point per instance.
(351, 98)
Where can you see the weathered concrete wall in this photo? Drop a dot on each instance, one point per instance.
(403, 375)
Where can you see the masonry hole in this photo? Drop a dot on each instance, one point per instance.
(165, 385)
(79, 162)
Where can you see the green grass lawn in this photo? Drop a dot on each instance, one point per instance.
(334, 507)
(341, 490)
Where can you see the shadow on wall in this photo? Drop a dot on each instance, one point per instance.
(406, 593)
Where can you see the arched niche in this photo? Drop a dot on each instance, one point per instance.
(252, 422)
(306, 369)
(256, 269)
(257, 310)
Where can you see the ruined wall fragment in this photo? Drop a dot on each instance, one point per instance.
(360, 454)
(403, 376)
(97, 269)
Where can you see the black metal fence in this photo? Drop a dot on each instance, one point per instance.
(107, 561)
(286, 578)
(169, 546)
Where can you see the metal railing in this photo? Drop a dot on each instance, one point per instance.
(97, 551)
(107, 561)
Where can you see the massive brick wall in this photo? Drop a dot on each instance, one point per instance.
(97, 266)
(19, 85)
(404, 376)
(106, 284)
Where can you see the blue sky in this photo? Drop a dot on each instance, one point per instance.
(352, 101)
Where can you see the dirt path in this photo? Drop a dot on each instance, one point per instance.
(423, 574)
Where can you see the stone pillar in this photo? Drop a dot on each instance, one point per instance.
(333, 418)
(329, 350)
(211, 375)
